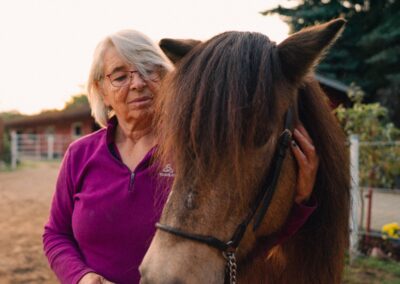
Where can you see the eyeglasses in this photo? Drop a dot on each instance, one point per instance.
(123, 78)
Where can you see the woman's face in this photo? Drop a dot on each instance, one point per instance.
(125, 90)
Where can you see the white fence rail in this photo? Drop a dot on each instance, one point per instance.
(37, 147)
(355, 197)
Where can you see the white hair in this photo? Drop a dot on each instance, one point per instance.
(134, 47)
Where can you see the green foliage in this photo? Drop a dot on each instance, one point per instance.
(379, 163)
(7, 115)
(367, 53)
(369, 121)
(76, 101)
(6, 153)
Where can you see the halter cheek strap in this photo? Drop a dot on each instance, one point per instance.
(269, 187)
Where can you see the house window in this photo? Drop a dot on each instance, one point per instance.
(76, 130)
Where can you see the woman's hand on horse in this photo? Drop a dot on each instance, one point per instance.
(93, 278)
(308, 160)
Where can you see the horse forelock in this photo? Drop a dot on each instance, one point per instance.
(221, 103)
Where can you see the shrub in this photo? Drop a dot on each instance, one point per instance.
(379, 153)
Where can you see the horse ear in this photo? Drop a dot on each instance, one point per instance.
(175, 49)
(300, 52)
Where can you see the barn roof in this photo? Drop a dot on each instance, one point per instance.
(332, 83)
(49, 117)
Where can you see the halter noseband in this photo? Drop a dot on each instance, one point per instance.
(257, 211)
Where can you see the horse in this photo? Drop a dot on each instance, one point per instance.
(225, 119)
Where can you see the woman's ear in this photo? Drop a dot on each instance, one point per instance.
(176, 49)
(302, 51)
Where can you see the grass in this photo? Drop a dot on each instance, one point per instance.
(367, 270)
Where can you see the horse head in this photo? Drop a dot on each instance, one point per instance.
(226, 113)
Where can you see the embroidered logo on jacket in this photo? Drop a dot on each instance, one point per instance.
(167, 171)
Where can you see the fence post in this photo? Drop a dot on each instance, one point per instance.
(14, 149)
(355, 197)
(50, 147)
(37, 147)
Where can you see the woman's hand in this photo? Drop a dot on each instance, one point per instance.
(308, 160)
(93, 278)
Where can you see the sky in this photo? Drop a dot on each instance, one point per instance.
(46, 46)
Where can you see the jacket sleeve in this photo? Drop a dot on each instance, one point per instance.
(59, 243)
(298, 216)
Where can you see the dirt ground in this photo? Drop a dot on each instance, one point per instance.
(25, 196)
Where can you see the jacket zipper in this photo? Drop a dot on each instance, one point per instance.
(132, 173)
(131, 182)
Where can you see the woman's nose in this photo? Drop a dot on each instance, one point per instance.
(137, 82)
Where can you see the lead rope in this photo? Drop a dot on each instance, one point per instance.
(231, 266)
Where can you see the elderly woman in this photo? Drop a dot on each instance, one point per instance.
(109, 192)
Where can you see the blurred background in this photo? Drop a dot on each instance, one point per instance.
(46, 49)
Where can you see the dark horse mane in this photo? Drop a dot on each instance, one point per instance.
(241, 87)
(317, 249)
(225, 99)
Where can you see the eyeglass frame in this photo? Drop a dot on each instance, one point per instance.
(127, 71)
(156, 70)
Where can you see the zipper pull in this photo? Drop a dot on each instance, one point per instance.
(132, 180)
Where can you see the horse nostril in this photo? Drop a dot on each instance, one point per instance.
(146, 280)
(160, 280)
(143, 278)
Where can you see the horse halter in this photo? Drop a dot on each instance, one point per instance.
(257, 211)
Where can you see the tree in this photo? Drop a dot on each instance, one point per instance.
(76, 101)
(382, 49)
(7, 115)
(367, 53)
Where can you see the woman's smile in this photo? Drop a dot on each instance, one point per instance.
(140, 102)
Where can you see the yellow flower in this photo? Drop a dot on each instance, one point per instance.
(391, 230)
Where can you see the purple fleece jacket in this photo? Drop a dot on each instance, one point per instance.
(103, 214)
